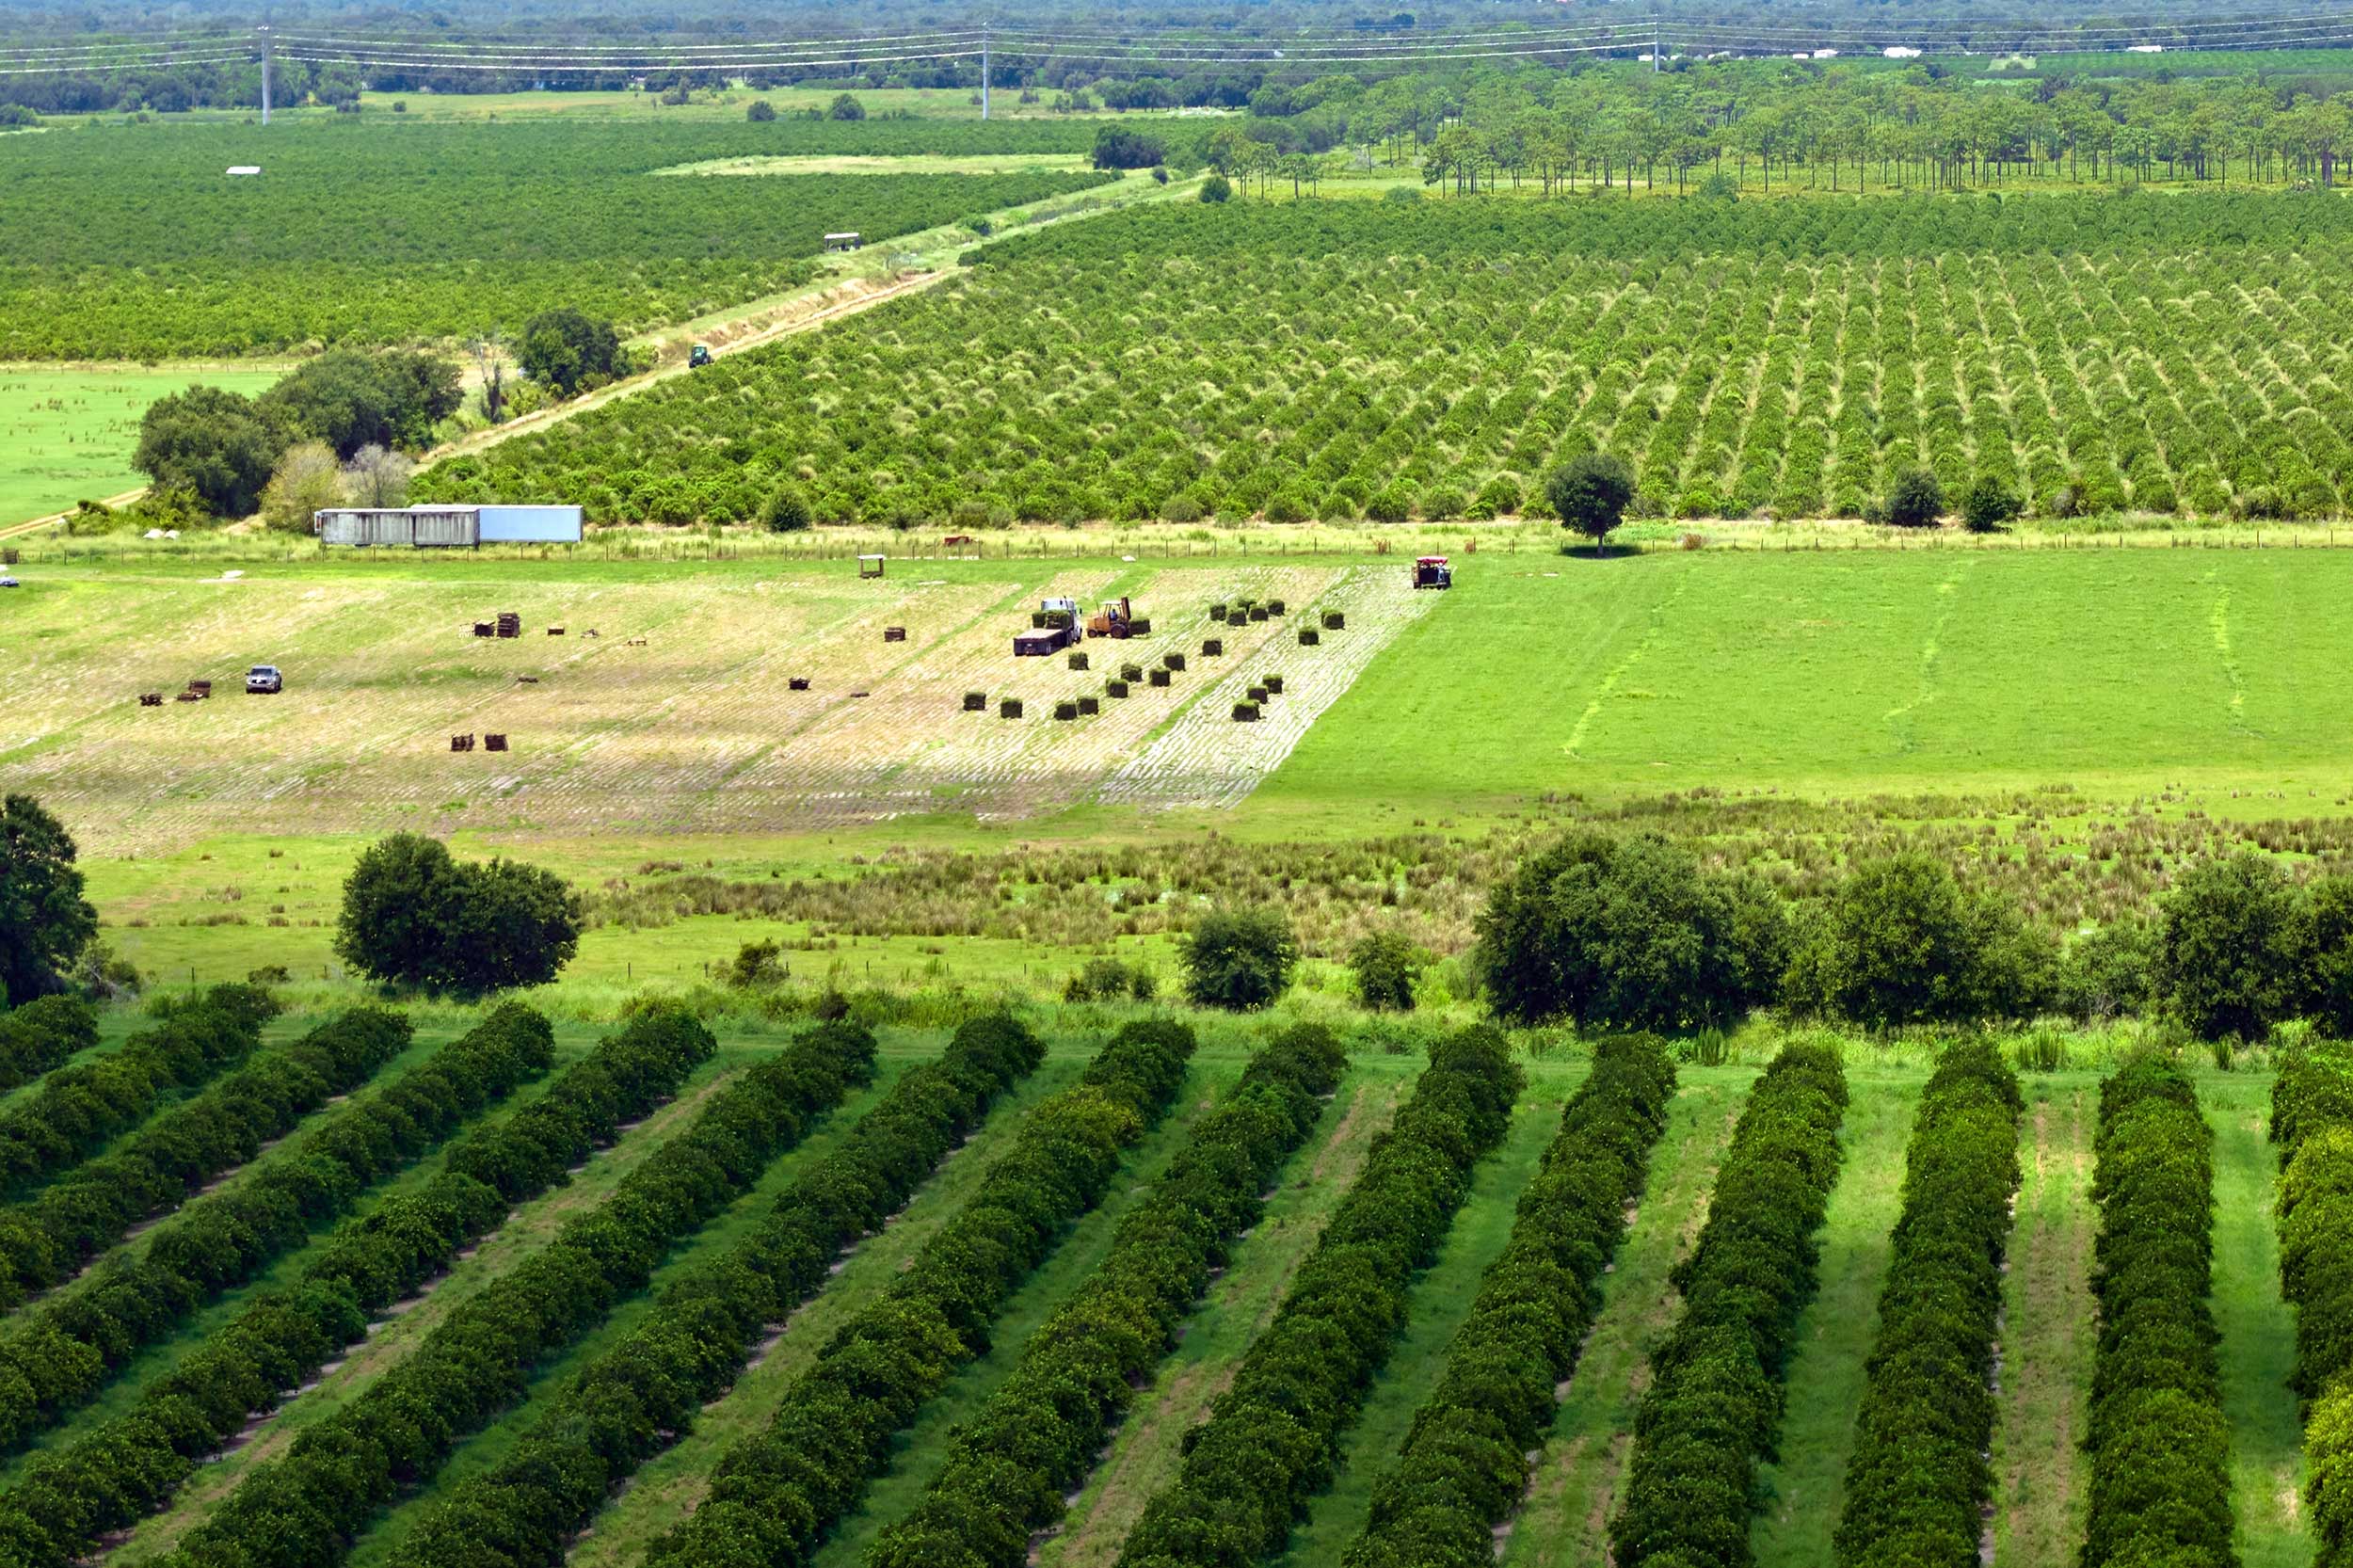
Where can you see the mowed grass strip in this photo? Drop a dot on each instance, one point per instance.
(668, 1488)
(1146, 1451)
(2258, 1326)
(1829, 672)
(2049, 1328)
(1577, 1478)
(1806, 1479)
(526, 1232)
(1441, 1300)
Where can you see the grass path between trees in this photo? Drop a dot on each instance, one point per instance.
(2258, 1327)
(1146, 1450)
(1577, 1476)
(666, 1490)
(1807, 1482)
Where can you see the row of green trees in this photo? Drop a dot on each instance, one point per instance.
(56, 1355)
(1272, 1439)
(2160, 1447)
(50, 1238)
(1919, 1478)
(1715, 1399)
(126, 1467)
(1631, 932)
(776, 1495)
(40, 1035)
(633, 1399)
(1008, 1467)
(2311, 1128)
(75, 1110)
(305, 1510)
(1463, 1468)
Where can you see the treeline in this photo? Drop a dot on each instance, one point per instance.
(2311, 1126)
(1462, 1468)
(1008, 1467)
(1273, 1438)
(1631, 932)
(1715, 1399)
(129, 1465)
(305, 1510)
(56, 1355)
(77, 1110)
(2160, 1447)
(628, 1402)
(1918, 1476)
(49, 1238)
(776, 1496)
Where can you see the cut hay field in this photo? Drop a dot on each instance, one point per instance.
(1578, 1475)
(1833, 674)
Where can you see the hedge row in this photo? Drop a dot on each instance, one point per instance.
(127, 1467)
(2160, 1448)
(41, 1034)
(48, 1239)
(2311, 1123)
(1273, 1437)
(305, 1510)
(628, 1404)
(56, 1355)
(77, 1110)
(775, 1497)
(1918, 1476)
(1716, 1393)
(1464, 1464)
(1038, 1435)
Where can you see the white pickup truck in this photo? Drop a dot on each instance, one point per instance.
(265, 679)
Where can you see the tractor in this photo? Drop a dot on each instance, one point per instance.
(1116, 620)
(697, 356)
(1053, 627)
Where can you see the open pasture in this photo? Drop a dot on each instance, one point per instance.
(67, 433)
(677, 717)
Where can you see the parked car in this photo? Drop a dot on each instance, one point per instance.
(265, 677)
(10, 583)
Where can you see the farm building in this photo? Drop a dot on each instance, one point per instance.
(447, 526)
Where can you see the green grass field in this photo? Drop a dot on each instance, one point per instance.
(66, 432)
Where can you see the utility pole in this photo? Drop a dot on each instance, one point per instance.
(1656, 46)
(265, 54)
(984, 71)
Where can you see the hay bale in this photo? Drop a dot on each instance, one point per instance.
(1274, 607)
(1141, 626)
(1131, 673)
(483, 629)
(461, 743)
(1115, 688)
(1257, 613)
(1009, 709)
(1257, 694)
(495, 743)
(150, 699)
(1273, 683)
(1335, 621)
(1212, 648)
(976, 702)
(1308, 636)
(1217, 613)
(1088, 705)
(1173, 661)
(1078, 661)
(1245, 712)
(555, 630)
(1037, 620)
(1160, 677)
(797, 682)
(894, 634)
(1066, 709)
